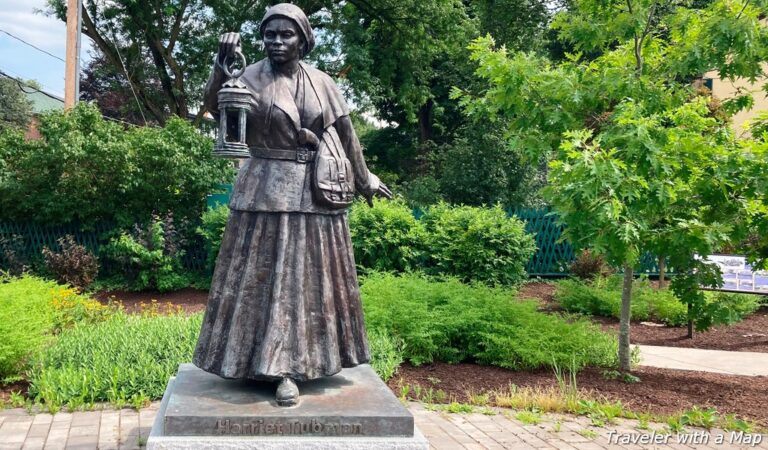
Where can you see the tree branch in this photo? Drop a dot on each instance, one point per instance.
(109, 50)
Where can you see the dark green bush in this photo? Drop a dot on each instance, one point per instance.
(602, 297)
(477, 244)
(386, 237)
(212, 230)
(147, 258)
(453, 322)
(85, 169)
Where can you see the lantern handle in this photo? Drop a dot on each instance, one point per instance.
(227, 71)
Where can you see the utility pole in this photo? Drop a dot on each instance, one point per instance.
(72, 69)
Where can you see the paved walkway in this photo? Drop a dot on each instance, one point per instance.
(497, 429)
(718, 361)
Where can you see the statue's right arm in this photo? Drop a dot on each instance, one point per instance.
(229, 45)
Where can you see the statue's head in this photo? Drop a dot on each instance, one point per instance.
(286, 33)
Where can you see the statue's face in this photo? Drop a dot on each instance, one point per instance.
(282, 40)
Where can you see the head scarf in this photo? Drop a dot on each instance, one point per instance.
(294, 13)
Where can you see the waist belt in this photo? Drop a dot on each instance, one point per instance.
(300, 154)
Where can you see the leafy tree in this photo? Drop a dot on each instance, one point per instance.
(15, 107)
(638, 157)
(108, 88)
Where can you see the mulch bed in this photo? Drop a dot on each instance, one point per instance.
(660, 391)
(749, 335)
(190, 300)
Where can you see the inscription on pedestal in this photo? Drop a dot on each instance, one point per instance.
(295, 428)
(353, 403)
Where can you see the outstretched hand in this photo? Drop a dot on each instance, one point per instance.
(383, 191)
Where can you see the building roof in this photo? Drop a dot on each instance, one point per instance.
(43, 101)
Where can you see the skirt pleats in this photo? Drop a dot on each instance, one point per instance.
(284, 299)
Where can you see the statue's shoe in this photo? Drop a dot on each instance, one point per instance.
(287, 393)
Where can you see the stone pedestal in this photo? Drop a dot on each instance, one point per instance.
(351, 410)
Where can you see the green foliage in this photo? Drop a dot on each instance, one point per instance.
(640, 161)
(602, 297)
(474, 244)
(31, 311)
(26, 320)
(453, 322)
(386, 354)
(386, 237)
(477, 244)
(150, 258)
(212, 230)
(125, 359)
(480, 167)
(15, 107)
(85, 169)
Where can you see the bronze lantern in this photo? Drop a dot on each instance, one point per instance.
(235, 101)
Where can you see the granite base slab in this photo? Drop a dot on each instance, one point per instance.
(351, 410)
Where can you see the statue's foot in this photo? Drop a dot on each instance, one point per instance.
(287, 393)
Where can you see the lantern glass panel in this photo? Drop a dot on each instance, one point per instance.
(233, 126)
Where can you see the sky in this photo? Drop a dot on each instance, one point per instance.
(19, 18)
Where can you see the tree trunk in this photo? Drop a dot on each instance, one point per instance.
(425, 122)
(690, 324)
(626, 302)
(662, 270)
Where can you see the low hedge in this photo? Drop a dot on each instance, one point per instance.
(453, 322)
(602, 297)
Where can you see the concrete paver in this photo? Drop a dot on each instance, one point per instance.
(127, 429)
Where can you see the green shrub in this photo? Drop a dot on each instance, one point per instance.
(386, 353)
(31, 311)
(86, 169)
(732, 307)
(149, 258)
(453, 322)
(386, 237)
(212, 230)
(125, 359)
(602, 297)
(477, 244)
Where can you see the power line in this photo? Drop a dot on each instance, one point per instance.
(22, 84)
(32, 45)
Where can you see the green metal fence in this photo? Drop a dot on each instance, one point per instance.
(27, 241)
(552, 257)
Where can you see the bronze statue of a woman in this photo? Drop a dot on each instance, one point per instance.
(284, 303)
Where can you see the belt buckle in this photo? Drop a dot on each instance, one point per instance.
(302, 155)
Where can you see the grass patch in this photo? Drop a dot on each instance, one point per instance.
(125, 360)
(452, 322)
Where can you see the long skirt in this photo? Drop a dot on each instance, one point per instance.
(284, 299)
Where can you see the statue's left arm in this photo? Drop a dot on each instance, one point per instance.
(366, 182)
